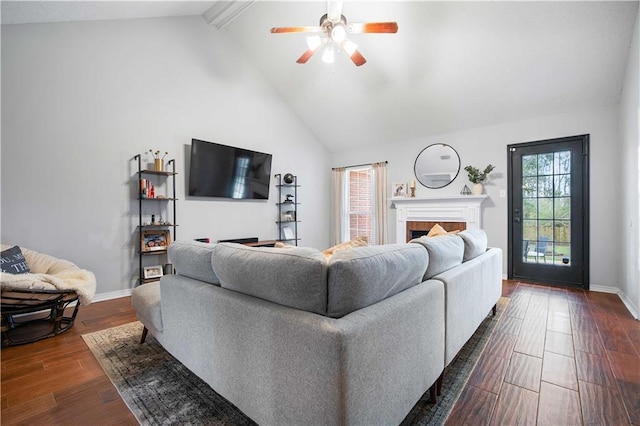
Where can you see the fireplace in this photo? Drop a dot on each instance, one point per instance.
(416, 229)
(416, 216)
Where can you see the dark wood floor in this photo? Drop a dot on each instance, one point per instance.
(557, 357)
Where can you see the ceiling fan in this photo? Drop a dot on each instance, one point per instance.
(333, 30)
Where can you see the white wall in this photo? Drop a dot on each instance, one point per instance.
(79, 100)
(481, 146)
(630, 181)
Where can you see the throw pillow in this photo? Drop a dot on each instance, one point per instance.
(279, 244)
(12, 261)
(436, 230)
(360, 241)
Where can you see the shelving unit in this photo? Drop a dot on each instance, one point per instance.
(287, 210)
(158, 203)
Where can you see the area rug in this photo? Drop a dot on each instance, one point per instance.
(159, 390)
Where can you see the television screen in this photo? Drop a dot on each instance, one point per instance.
(228, 172)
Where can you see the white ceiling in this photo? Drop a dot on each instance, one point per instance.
(451, 66)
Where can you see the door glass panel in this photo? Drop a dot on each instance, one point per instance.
(561, 231)
(545, 164)
(530, 230)
(545, 186)
(546, 207)
(529, 209)
(562, 208)
(562, 185)
(529, 165)
(562, 162)
(529, 187)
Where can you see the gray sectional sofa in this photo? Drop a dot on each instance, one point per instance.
(291, 338)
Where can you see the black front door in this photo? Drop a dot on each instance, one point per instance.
(548, 211)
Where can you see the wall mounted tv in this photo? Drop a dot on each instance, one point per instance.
(228, 172)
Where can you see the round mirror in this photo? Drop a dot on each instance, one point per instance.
(437, 166)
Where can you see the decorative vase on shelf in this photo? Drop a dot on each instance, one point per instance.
(158, 164)
(477, 189)
(288, 178)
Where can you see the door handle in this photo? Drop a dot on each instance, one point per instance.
(516, 220)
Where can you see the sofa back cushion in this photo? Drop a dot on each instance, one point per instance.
(193, 259)
(361, 276)
(475, 243)
(294, 277)
(445, 252)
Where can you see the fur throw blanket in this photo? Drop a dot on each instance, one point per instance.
(49, 273)
(81, 281)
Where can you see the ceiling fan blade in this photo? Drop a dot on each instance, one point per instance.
(334, 10)
(351, 50)
(309, 53)
(357, 58)
(305, 56)
(281, 30)
(372, 27)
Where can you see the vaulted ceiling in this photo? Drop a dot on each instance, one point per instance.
(451, 66)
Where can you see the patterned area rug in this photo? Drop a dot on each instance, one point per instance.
(159, 390)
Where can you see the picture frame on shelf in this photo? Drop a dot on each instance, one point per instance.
(399, 190)
(287, 231)
(154, 240)
(150, 272)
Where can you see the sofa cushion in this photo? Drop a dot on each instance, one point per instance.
(13, 261)
(475, 243)
(146, 301)
(193, 259)
(445, 252)
(294, 277)
(362, 276)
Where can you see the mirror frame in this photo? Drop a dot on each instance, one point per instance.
(415, 164)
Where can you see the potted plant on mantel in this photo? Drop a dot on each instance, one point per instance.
(477, 177)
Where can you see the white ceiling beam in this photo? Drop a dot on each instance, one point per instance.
(222, 13)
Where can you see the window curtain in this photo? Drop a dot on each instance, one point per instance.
(339, 213)
(380, 234)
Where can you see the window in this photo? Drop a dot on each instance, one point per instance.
(361, 204)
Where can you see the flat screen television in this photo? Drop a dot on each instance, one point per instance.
(228, 172)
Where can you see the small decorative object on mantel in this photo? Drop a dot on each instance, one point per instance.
(158, 162)
(412, 188)
(465, 190)
(477, 177)
(399, 190)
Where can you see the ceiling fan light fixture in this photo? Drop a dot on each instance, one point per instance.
(338, 33)
(329, 55)
(313, 42)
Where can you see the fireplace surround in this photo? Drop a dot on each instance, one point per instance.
(453, 212)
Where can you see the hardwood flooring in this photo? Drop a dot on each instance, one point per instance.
(574, 360)
(557, 357)
(58, 380)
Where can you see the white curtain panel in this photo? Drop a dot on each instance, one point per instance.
(338, 206)
(380, 199)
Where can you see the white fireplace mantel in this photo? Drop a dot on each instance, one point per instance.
(451, 208)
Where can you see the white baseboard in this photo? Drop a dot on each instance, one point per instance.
(633, 309)
(101, 297)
